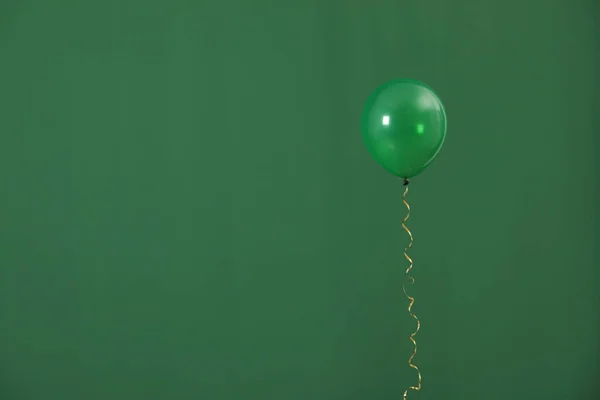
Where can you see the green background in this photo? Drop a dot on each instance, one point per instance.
(187, 210)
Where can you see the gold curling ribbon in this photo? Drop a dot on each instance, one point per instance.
(410, 299)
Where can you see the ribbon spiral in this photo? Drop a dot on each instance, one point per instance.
(410, 299)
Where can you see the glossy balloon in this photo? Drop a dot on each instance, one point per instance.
(404, 126)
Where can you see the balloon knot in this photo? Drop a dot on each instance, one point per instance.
(406, 182)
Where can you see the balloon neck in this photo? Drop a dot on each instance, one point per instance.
(406, 182)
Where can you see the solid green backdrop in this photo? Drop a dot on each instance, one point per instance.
(188, 211)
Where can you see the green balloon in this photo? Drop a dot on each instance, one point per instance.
(404, 126)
